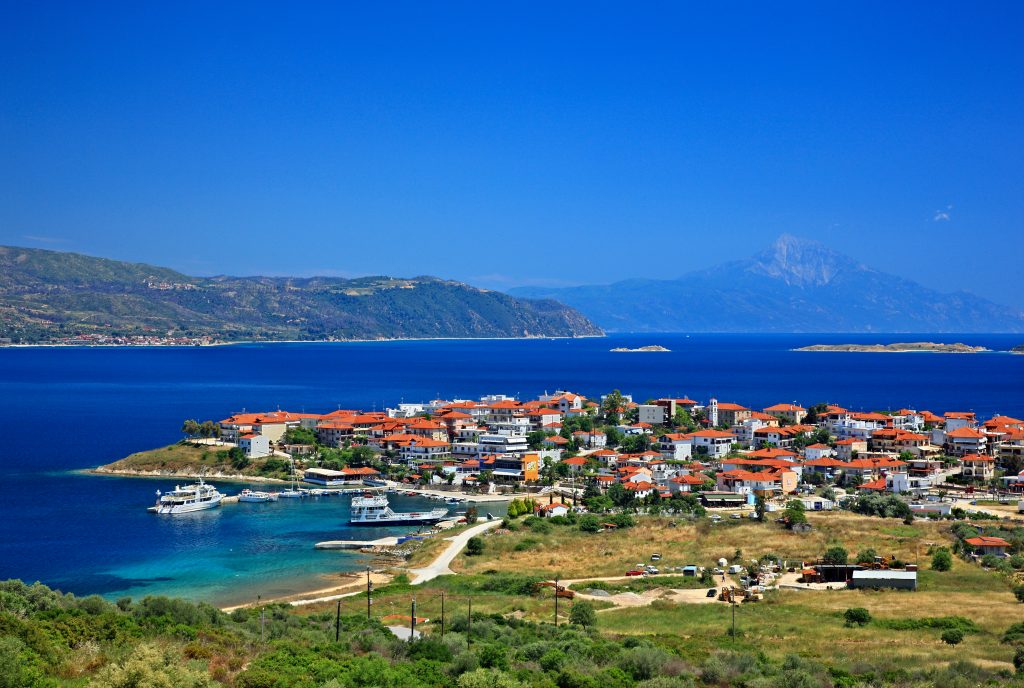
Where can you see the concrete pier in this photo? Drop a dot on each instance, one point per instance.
(357, 544)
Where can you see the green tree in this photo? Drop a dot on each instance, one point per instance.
(583, 614)
(1018, 592)
(942, 559)
(190, 428)
(535, 440)
(759, 507)
(589, 523)
(866, 556)
(836, 554)
(613, 402)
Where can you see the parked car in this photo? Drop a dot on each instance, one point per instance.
(736, 516)
(712, 592)
(735, 568)
(717, 571)
(652, 570)
(656, 556)
(635, 572)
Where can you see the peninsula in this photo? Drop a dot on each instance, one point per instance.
(899, 347)
(624, 349)
(53, 297)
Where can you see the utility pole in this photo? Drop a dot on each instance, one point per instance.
(337, 622)
(263, 618)
(556, 600)
(732, 603)
(412, 622)
(442, 614)
(369, 587)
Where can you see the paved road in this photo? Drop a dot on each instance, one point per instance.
(440, 566)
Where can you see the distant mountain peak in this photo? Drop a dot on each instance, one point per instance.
(801, 262)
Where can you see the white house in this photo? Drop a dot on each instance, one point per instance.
(255, 446)
(713, 443)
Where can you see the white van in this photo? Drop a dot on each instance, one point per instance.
(735, 568)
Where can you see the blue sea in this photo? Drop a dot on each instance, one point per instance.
(72, 408)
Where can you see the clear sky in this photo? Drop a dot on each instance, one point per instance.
(516, 143)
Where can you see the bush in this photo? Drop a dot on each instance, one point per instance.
(589, 523)
(643, 663)
(942, 560)
(1018, 660)
(1018, 592)
(857, 616)
(475, 546)
(990, 561)
(952, 636)
(1015, 634)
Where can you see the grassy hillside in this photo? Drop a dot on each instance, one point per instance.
(47, 294)
(790, 639)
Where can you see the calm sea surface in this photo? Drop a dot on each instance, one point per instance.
(67, 409)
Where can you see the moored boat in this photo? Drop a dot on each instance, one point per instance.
(183, 500)
(373, 509)
(248, 495)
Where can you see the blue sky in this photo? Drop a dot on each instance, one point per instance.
(516, 143)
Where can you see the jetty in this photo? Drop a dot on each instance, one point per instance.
(390, 541)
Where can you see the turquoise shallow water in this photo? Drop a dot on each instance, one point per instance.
(67, 409)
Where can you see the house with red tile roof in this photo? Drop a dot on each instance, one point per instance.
(818, 451)
(984, 544)
(965, 440)
(686, 483)
(712, 443)
(978, 467)
(790, 412)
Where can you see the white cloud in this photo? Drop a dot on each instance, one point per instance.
(944, 215)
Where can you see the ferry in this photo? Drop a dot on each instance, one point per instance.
(372, 510)
(182, 500)
(248, 495)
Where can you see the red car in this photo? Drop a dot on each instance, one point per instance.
(634, 572)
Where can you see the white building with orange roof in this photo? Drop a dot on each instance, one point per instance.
(334, 433)
(675, 446)
(790, 412)
(849, 448)
(954, 420)
(271, 424)
(818, 451)
(978, 467)
(965, 440)
(255, 446)
(712, 443)
(421, 449)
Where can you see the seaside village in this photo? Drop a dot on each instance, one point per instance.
(724, 453)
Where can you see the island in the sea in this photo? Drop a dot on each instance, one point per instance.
(620, 349)
(899, 347)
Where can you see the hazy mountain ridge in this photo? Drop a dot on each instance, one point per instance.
(46, 294)
(794, 285)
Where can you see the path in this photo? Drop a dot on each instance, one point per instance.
(440, 566)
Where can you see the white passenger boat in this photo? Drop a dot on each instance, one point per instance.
(373, 510)
(248, 495)
(183, 500)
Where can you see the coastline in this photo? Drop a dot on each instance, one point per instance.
(295, 341)
(220, 477)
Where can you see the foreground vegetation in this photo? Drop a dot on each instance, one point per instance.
(961, 628)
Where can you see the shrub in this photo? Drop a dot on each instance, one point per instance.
(1015, 634)
(589, 523)
(857, 616)
(643, 663)
(952, 636)
(942, 560)
(475, 546)
(1017, 561)
(1018, 660)
(990, 561)
(1018, 592)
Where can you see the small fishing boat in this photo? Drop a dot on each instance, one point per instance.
(248, 495)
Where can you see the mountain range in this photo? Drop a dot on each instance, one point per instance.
(794, 285)
(46, 295)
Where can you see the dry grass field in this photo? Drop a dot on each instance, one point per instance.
(574, 554)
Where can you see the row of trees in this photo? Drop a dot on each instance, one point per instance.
(206, 429)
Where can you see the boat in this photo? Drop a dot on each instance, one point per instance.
(293, 493)
(183, 500)
(374, 510)
(248, 495)
(319, 492)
